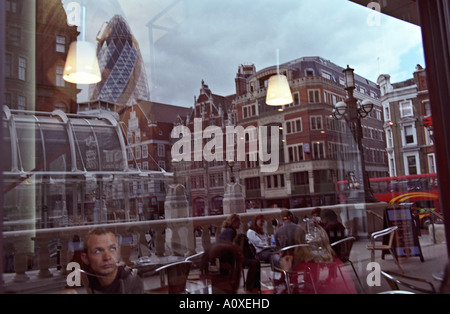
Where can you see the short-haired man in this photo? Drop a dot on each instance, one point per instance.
(102, 254)
(290, 233)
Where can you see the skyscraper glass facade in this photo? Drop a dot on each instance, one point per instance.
(124, 80)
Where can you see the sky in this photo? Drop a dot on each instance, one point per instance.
(195, 40)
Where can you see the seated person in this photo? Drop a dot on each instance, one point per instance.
(229, 235)
(259, 239)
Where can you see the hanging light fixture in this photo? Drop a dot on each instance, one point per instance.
(279, 92)
(82, 64)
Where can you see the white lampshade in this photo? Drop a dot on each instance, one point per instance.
(82, 64)
(279, 92)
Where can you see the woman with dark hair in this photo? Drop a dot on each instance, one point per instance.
(259, 239)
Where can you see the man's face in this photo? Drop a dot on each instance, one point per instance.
(103, 254)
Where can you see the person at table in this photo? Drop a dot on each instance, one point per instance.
(334, 228)
(230, 234)
(312, 262)
(259, 239)
(102, 255)
(289, 233)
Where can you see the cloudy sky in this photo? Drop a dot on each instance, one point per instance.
(195, 40)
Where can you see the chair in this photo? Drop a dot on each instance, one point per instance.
(343, 249)
(177, 274)
(196, 260)
(384, 247)
(221, 264)
(395, 279)
(290, 279)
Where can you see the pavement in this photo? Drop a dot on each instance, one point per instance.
(435, 261)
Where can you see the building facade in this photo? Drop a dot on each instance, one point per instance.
(315, 149)
(147, 129)
(53, 37)
(206, 177)
(124, 79)
(409, 143)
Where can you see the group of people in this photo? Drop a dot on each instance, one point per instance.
(101, 253)
(319, 230)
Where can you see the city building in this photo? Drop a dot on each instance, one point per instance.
(124, 79)
(147, 128)
(54, 35)
(315, 150)
(33, 77)
(410, 146)
(206, 179)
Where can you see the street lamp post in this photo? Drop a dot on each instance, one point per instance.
(353, 111)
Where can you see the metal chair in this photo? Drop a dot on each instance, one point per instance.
(290, 279)
(221, 264)
(177, 274)
(343, 249)
(384, 247)
(395, 279)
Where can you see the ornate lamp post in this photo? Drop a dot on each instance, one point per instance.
(353, 111)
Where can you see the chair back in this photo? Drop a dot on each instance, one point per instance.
(227, 278)
(177, 274)
(196, 259)
(343, 248)
(412, 283)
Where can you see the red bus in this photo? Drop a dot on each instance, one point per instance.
(419, 191)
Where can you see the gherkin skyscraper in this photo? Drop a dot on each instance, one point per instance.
(124, 80)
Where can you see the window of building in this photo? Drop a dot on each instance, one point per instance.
(409, 135)
(249, 111)
(21, 102)
(294, 126)
(138, 152)
(431, 163)
(318, 150)
(316, 123)
(406, 109)
(296, 153)
(22, 69)
(59, 77)
(144, 151)
(411, 164)
(161, 150)
(60, 44)
(313, 96)
(8, 65)
(15, 34)
(296, 96)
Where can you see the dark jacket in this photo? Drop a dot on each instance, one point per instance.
(227, 235)
(126, 282)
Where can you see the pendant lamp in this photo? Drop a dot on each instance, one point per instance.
(82, 64)
(279, 92)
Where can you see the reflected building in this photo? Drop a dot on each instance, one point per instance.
(410, 145)
(124, 80)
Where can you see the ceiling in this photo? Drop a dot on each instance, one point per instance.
(405, 10)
